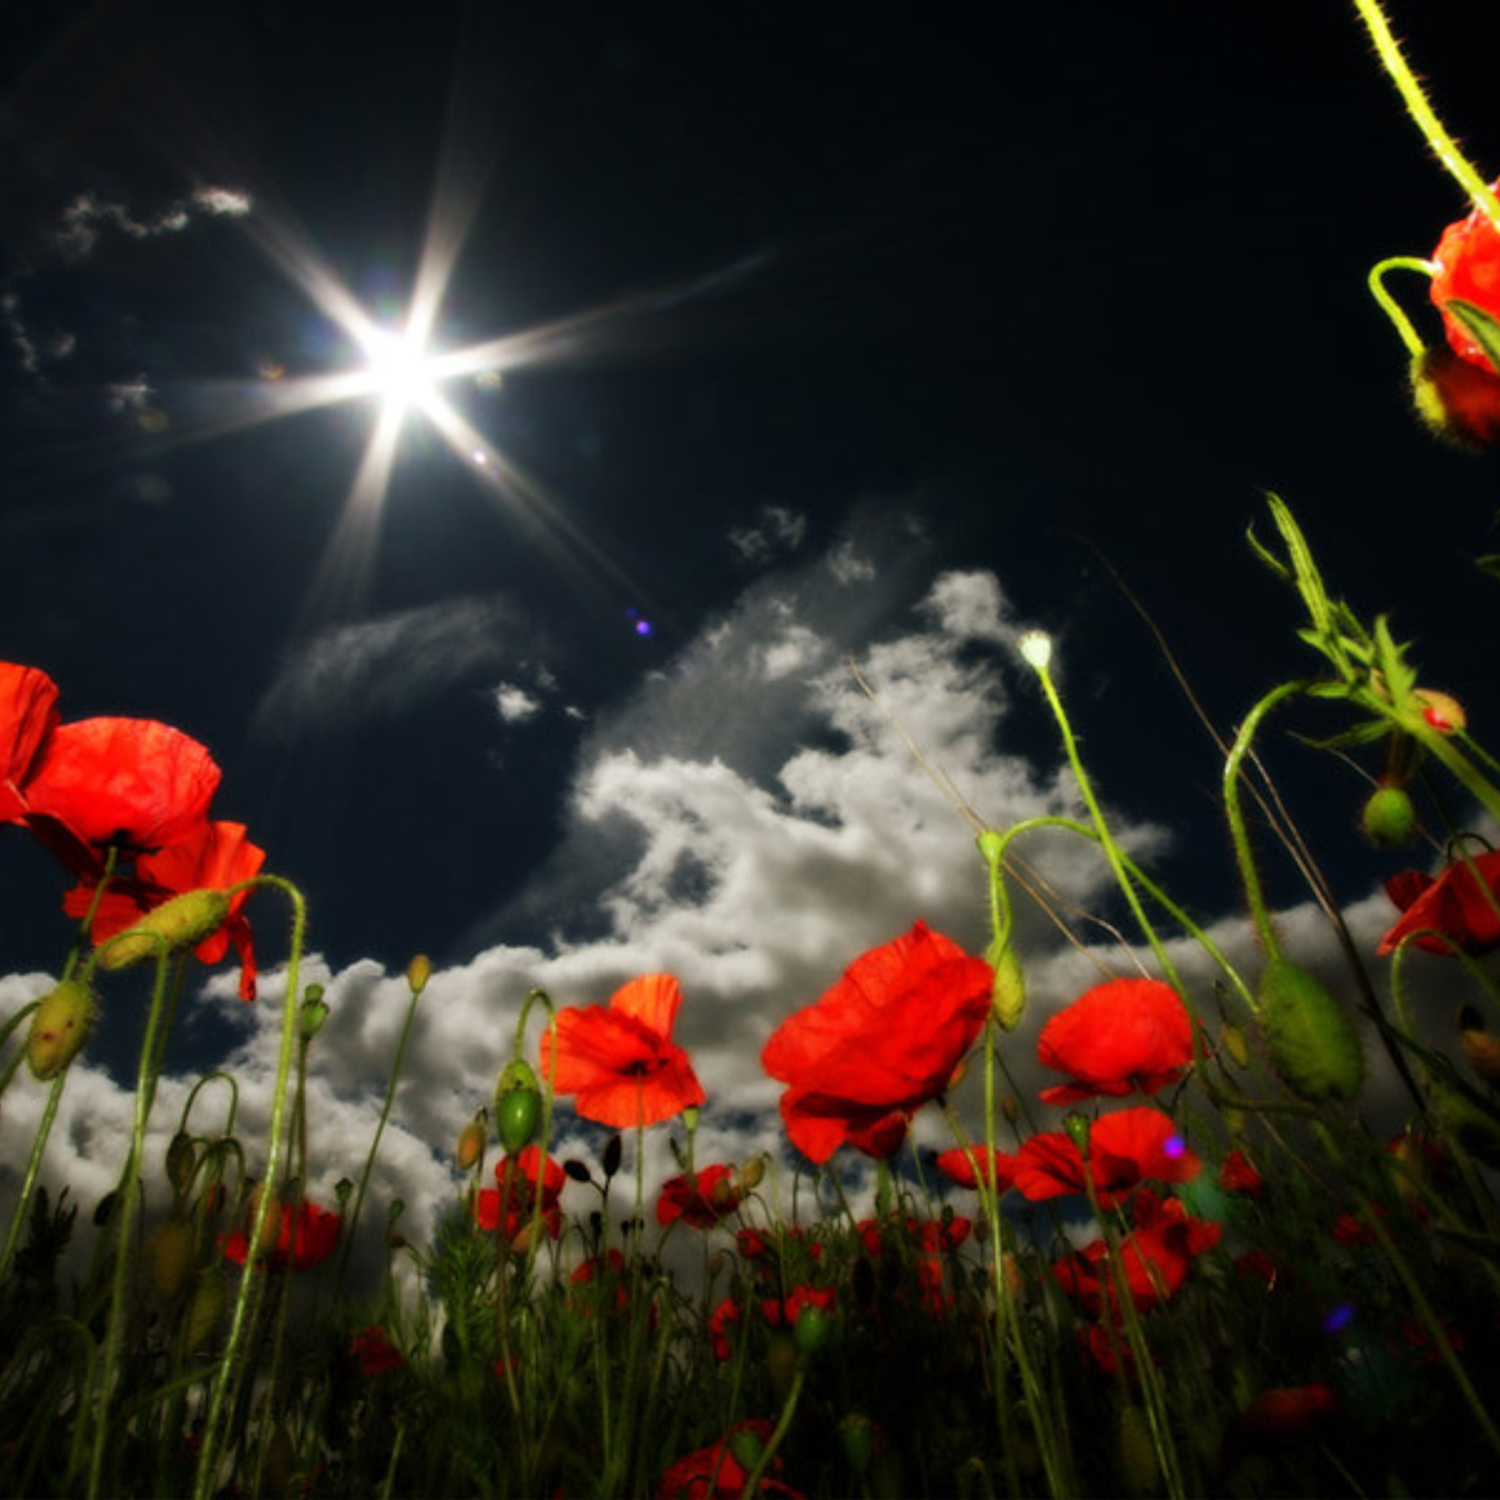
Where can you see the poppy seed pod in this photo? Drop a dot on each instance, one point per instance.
(1389, 820)
(59, 1027)
(183, 922)
(1313, 1044)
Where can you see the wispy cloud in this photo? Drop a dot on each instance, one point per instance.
(89, 216)
(778, 530)
(387, 667)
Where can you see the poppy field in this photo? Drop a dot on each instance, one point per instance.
(1187, 1266)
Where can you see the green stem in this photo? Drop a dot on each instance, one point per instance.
(1388, 304)
(772, 1443)
(385, 1114)
(230, 1370)
(1444, 147)
(158, 1021)
(1239, 836)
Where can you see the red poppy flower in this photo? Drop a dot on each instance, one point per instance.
(1119, 1037)
(375, 1353)
(516, 1195)
(620, 1059)
(702, 1200)
(28, 714)
(132, 782)
(714, 1473)
(724, 1318)
(878, 1045)
(1157, 1255)
(214, 856)
(307, 1236)
(786, 1310)
(1237, 1175)
(1468, 262)
(1125, 1149)
(1285, 1414)
(1459, 912)
(958, 1165)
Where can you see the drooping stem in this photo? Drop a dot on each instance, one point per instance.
(1388, 304)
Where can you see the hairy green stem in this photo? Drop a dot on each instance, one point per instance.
(1444, 147)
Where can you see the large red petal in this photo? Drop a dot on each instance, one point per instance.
(28, 712)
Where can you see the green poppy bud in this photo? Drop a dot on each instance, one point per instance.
(168, 1253)
(856, 1434)
(311, 1015)
(516, 1117)
(746, 1446)
(183, 922)
(812, 1329)
(1236, 1044)
(59, 1027)
(1389, 819)
(1009, 995)
(1077, 1126)
(181, 1160)
(205, 1309)
(1313, 1044)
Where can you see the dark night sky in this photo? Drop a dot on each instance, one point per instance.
(1092, 273)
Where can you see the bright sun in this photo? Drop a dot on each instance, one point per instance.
(400, 371)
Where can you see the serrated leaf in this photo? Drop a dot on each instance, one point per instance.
(1400, 679)
(1361, 734)
(1309, 580)
(1483, 327)
(1269, 558)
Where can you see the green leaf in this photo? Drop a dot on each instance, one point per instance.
(1400, 679)
(1309, 580)
(1485, 329)
(1489, 563)
(1362, 734)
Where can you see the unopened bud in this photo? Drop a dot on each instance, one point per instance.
(180, 1161)
(418, 972)
(752, 1173)
(1236, 1044)
(168, 1252)
(59, 1027)
(1482, 1053)
(205, 1308)
(1077, 1127)
(1458, 401)
(183, 922)
(1389, 819)
(310, 1016)
(471, 1142)
(1442, 710)
(1009, 993)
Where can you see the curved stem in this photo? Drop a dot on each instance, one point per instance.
(1388, 304)
(1254, 894)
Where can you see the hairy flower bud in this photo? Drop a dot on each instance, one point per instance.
(471, 1142)
(1009, 995)
(1313, 1044)
(59, 1027)
(1456, 400)
(183, 922)
(168, 1253)
(1441, 710)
